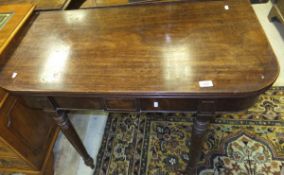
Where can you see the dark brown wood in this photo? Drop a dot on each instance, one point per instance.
(107, 3)
(200, 127)
(70, 133)
(28, 136)
(75, 4)
(191, 104)
(153, 49)
(205, 113)
(121, 104)
(165, 104)
(72, 103)
(146, 53)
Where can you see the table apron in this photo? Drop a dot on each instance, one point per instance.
(131, 104)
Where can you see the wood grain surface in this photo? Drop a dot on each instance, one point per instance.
(107, 3)
(152, 49)
(19, 14)
(40, 4)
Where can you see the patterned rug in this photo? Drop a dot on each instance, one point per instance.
(244, 143)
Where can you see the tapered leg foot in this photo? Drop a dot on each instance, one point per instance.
(89, 162)
(70, 133)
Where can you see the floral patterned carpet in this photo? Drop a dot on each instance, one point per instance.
(244, 143)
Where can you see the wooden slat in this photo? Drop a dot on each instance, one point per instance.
(3, 97)
(6, 151)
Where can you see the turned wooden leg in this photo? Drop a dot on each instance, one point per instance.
(199, 131)
(201, 123)
(272, 14)
(70, 133)
(75, 4)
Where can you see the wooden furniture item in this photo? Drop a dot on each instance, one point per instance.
(12, 18)
(83, 4)
(76, 4)
(178, 56)
(40, 4)
(106, 3)
(277, 11)
(26, 135)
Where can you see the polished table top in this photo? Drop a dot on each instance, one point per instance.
(145, 58)
(12, 18)
(152, 49)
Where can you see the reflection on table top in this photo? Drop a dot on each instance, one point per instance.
(163, 48)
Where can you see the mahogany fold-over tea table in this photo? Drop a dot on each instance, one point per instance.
(207, 57)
